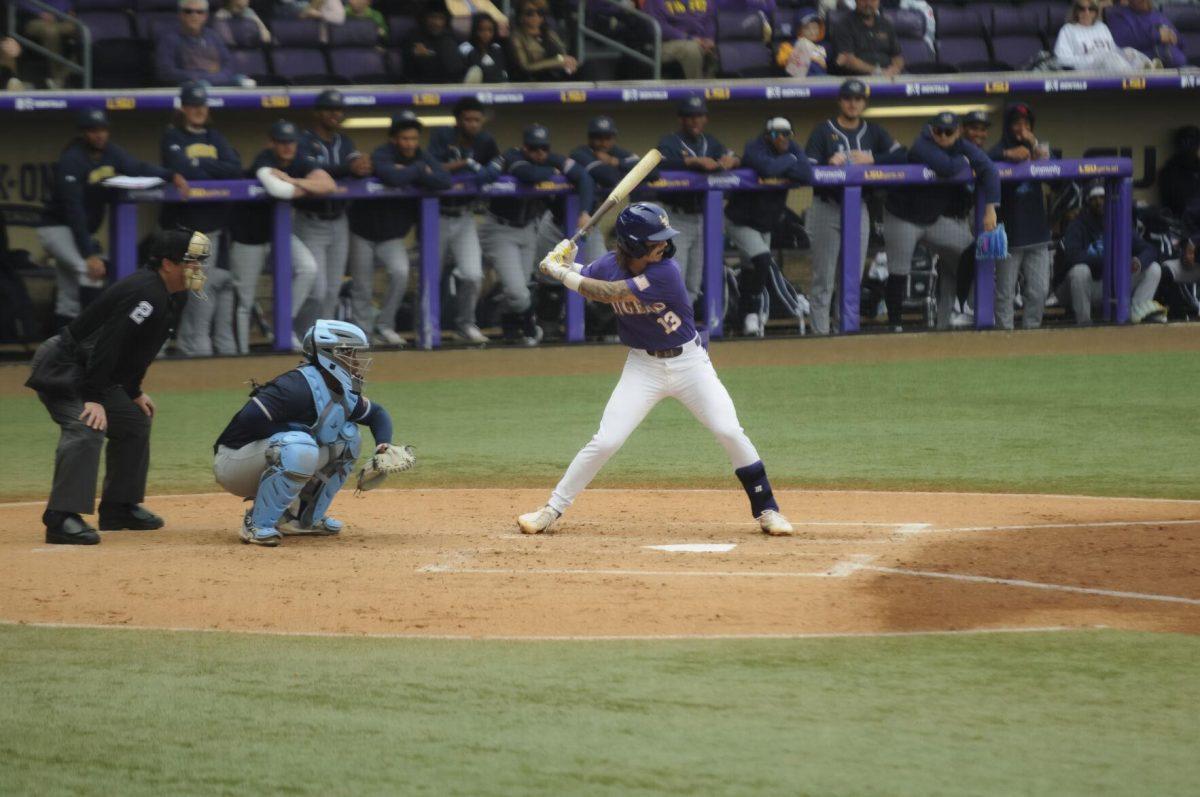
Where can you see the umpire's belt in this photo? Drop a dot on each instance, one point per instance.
(667, 354)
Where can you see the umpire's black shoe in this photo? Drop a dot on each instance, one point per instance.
(114, 517)
(63, 528)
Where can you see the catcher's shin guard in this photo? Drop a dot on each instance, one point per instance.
(318, 494)
(291, 461)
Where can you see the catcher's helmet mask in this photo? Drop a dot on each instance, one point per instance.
(642, 224)
(333, 347)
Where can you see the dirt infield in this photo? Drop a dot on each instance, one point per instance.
(451, 562)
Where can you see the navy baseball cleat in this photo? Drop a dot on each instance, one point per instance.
(67, 528)
(114, 517)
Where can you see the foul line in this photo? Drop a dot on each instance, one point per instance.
(1034, 526)
(558, 638)
(498, 571)
(1015, 582)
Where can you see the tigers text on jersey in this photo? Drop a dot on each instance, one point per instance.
(661, 316)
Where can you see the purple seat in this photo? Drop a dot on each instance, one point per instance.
(301, 66)
(120, 64)
(296, 32)
(101, 5)
(1184, 17)
(250, 61)
(152, 24)
(908, 24)
(744, 59)
(158, 5)
(1022, 21)
(1015, 52)
(400, 28)
(965, 54)
(739, 26)
(106, 25)
(359, 64)
(958, 22)
(354, 33)
(394, 62)
(238, 32)
(918, 58)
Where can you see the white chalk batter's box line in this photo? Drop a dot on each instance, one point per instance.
(843, 569)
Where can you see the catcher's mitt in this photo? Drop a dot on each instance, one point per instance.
(393, 459)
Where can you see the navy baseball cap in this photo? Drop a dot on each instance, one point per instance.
(90, 118)
(809, 16)
(405, 120)
(693, 106)
(853, 88)
(284, 131)
(946, 119)
(602, 126)
(977, 118)
(330, 100)
(537, 136)
(193, 94)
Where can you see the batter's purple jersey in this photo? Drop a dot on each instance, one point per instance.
(661, 315)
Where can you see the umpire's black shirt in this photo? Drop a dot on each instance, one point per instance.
(122, 332)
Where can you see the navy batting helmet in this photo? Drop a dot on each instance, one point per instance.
(641, 224)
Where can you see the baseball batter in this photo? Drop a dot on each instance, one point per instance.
(654, 319)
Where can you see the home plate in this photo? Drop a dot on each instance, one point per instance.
(696, 547)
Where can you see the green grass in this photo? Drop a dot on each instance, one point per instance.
(112, 712)
(1100, 425)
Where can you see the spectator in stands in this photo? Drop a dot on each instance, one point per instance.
(1079, 280)
(1179, 180)
(463, 9)
(378, 228)
(482, 54)
(54, 33)
(976, 125)
(1023, 211)
(537, 51)
(692, 149)
(936, 214)
(431, 53)
(1085, 42)
(846, 138)
(1140, 26)
(76, 209)
(689, 30)
(752, 218)
(331, 12)
(10, 51)
(806, 56)
(193, 148)
(361, 9)
(866, 44)
(195, 53)
(286, 174)
(238, 9)
(464, 150)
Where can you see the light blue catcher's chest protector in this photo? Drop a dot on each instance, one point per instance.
(333, 414)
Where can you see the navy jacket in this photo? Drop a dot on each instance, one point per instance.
(334, 157)
(79, 199)
(924, 205)
(520, 211)
(674, 148)
(604, 176)
(384, 219)
(252, 223)
(760, 210)
(1022, 205)
(829, 138)
(1083, 243)
(444, 146)
(206, 155)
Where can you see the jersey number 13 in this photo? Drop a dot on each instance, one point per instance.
(669, 322)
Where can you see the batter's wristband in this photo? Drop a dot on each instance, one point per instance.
(573, 280)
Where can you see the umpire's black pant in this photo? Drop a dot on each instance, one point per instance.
(77, 460)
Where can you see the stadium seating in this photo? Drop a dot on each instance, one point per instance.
(910, 33)
(1186, 18)
(740, 46)
(1016, 35)
(962, 39)
(354, 54)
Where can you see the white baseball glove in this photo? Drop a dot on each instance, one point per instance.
(390, 459)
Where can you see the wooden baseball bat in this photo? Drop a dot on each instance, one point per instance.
(622, 189)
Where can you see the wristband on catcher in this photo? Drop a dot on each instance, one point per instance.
(280, 189)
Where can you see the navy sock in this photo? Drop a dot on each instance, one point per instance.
(758, 487)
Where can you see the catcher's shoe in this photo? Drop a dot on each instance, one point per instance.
(538, 521)
(774, 523)
(255, 536)
(289, 526)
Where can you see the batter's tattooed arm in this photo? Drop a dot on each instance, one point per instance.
(605, 291)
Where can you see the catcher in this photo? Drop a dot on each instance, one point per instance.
(292, 446)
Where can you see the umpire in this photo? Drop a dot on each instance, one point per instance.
(90, 379)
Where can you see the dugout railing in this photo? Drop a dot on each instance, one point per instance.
(1116, 173)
